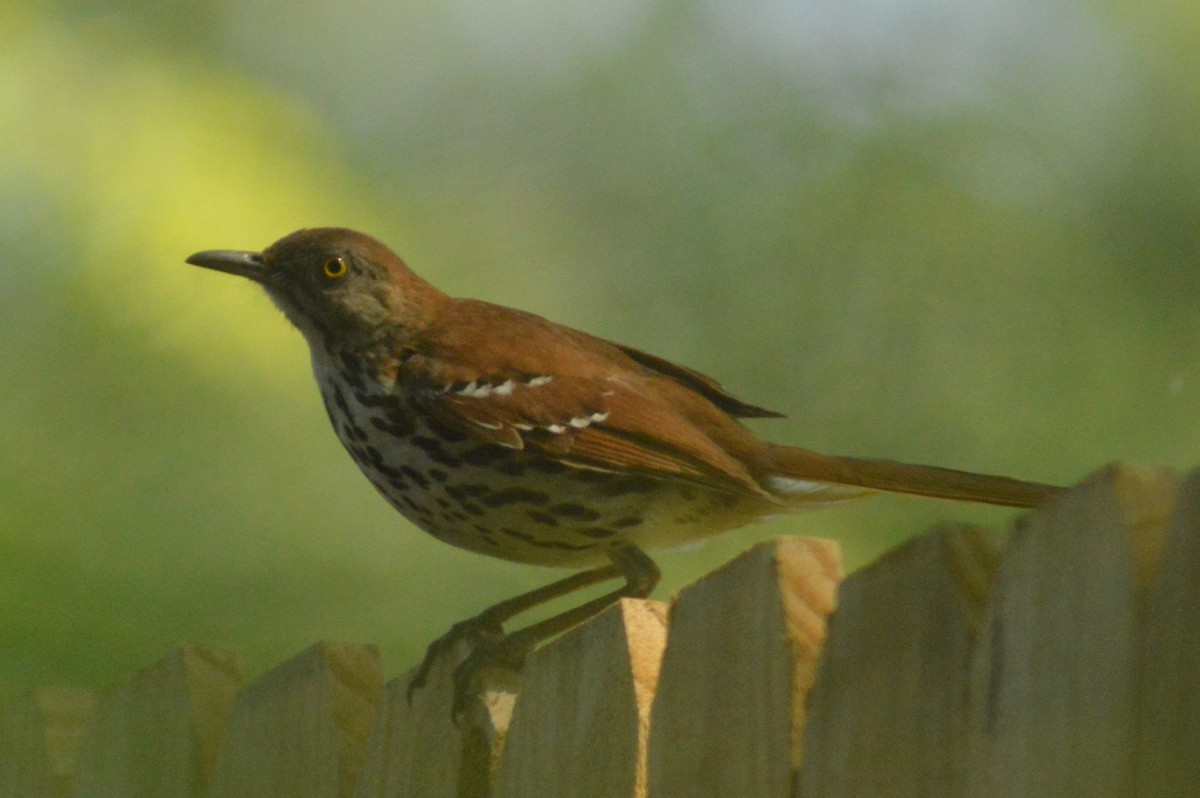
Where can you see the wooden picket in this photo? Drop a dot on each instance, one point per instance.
(1063, 661)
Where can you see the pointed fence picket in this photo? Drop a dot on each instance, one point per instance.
(1063, 661)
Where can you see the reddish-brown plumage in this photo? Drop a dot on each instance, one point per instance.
(505, 433)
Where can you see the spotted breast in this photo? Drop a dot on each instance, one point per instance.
(489, 495)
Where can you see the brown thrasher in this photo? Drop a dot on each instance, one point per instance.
(501, 432)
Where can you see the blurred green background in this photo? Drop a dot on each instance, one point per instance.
(962, 234)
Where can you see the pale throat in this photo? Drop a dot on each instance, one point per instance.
(356, 372)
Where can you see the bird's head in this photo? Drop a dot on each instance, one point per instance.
(338, 286)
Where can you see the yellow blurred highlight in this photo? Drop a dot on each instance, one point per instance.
(157, 161)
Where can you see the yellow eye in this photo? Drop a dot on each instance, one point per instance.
(335, 268)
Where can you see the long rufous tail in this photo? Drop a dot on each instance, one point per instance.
(792, 466)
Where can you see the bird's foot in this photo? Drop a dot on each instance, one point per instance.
(471, 633)
(493, 661)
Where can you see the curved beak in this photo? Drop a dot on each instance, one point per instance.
(243, 264)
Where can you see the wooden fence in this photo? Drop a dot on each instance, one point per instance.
(1065, 662)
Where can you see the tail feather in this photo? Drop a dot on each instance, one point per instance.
(797, 472)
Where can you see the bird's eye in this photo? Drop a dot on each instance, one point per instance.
(335, 268)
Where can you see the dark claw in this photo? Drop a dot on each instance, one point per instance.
(491, 654)
(472, 633)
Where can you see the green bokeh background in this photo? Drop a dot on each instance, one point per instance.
(963, 234)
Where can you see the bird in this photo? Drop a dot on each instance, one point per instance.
(498, 431)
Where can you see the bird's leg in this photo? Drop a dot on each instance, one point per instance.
(509, 651)
(489, 624)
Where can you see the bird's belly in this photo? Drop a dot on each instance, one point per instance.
(514, 504)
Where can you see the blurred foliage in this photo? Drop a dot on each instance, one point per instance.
(958, 234)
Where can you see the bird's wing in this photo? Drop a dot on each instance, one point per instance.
(575, 399)
(702, 384)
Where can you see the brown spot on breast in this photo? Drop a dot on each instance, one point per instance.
(339, 399)
(545, 544)
(386, 469)
(597, 532)
(416, 476)
(427, 444)
(353, 431)
(634, 483)
(542, 518)
(483, 455)
(592, 477)
(574, 510)
(444, 431)
(352, 366)
(515, 496)
(360, 456)
(420, 510)
(545, 465)
(398, 425)
(512, 467)
(373, 399)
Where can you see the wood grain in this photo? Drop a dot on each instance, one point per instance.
(1053, 677)
(40, 738)
(301, 729)
(886, 715)
(157, 735)
(581, 724)
(741, 654)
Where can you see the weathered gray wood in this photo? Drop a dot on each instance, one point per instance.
(300, 731)
(1168, 745)
(157, 734)
(1070, 666)
(741, 654)
(40, 737)
(1053, 682)
(886, 716)
(580, 725)
(416, 750)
